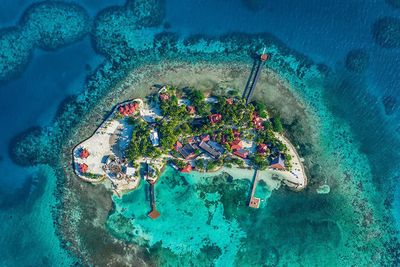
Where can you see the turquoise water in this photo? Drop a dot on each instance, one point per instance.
(354, 146)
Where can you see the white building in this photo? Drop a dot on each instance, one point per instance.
(154, 137)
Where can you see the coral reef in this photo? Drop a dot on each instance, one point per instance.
(386, 32)
(121, 32)
(393, 3)
(357, 61)
(16, 48)
(390, 104)
(45, 25)
(254, 5)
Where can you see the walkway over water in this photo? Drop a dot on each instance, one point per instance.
(254, 76)
(254, 201)
(154, 214)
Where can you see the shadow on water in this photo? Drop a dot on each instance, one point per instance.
(26, 195)
(348, 97)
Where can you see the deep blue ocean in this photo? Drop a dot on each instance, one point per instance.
(324, 31)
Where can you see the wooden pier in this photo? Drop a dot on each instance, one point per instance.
(154, 214)
(254, 201)
(254, 76)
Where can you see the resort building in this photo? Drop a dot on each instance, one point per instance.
(243, 153)
(278, 163)
(236, 144)
(128, 109)
(129, 171)
(210, 150)
(229, 101)
(187, 168)
(262, 149)
(191, 110)
(178, 145)
(258, 122)
(164, 97)
(187, 152)
(205, 137)
(84, 153)
(215, 118)
(154, 137)
(83, 167)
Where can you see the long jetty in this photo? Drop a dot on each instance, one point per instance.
(154, 214)
(254, 201)
(254, 77)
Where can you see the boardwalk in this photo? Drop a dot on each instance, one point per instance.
(154, 214)
(254, 76)
(254, 201)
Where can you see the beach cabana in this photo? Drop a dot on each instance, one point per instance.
(84, 153)
(83, 167)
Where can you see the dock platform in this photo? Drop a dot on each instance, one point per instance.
(254, 201)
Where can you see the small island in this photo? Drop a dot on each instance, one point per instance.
(190, 131)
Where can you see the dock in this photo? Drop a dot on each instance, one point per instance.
(254, 77)
(254, 201)
(154, 214)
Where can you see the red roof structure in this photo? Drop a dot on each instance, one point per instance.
(205, 137)
(262, 148)
(229, 101)
(215, 118)
(187, 168)
(241, 153)
(236, 144)
(164, 97)
(84, 153)
(236, 133)
(278, 163)
(128, 109)
(264, 57)
(83, 167)
(154, 214)
(191, 110)
(178, 145)
(258, 122)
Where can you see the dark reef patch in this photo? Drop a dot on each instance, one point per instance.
(386, 32)
(254, 5)
(149, 13)
(390, 104)
(393, 3)
(357, 61)
(31, 147)
(15, 52)
(55, 24)
(26, 195)
(47, 25)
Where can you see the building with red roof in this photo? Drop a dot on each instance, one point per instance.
(236, 144)
(164, 97)
(191, 110)
(205, 137)
(257, 122)
(83, 167)
(84, 153)
(187, 168)
(229, 101)
(262, 149)
(243, 153)
(178, 145)
(264, 57)
(128, 109)
(277, 163)
(236, 133)
(215, 118)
